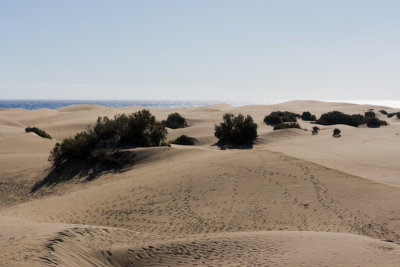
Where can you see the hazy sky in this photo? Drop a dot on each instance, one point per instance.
(224, 50)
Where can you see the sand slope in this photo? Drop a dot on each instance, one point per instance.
(295, 199)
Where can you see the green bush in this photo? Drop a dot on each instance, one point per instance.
(286, 126)
(307, 116)
(175, 121)
(236, 131)
(139, 129)
(277, 117)
(398, 115)
(272, 119)
(185, 140)
(373, 122)
(336, 133)
(391, 114)
(384, 112)
(37, 131)
(337, 117)
(315, 130)
(370, 114)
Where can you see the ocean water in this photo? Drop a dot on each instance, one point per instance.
(55, 104)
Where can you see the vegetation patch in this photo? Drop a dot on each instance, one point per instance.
(315, 130)
(37, 131)
(370, 114)
(384, 112)
(185, 140)
(236, 131)
(277, 117)
(397, 114)
(175, 121)
(336, 133)
(375, 122)
(337, 117)
(108, 136)
(307, 116)
(286, 126)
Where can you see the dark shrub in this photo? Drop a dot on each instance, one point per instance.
(175, 121)
(272, 119)
(139, 129)
(315, 130)
(281, 116)
(286, 126)
(37, 131)
(369, 114)
(391, 114)
(337, 117)
(185, 140)
(336, 133)
(236, 131)
(384, 112)
(373, 122)
(398, 115)
(307, 116)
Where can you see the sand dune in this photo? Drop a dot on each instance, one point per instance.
(293, 200)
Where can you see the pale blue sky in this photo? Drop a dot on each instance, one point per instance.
(199, 50)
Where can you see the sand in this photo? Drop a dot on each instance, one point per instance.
(293, 200)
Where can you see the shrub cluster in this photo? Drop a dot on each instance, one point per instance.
(185, 140)
(307, 116)
(236, 131)
(384, 112)
(397, 114)
(277, 117)
(286, 126)
(37, 131)
(370, 114)
(337, 117)
(373, 122)
(139, 129)
(175, 121)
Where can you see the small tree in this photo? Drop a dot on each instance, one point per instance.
(336, 133)
(315, 130)
(236, 131)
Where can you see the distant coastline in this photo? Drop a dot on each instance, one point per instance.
(55, 104)
(32, 104)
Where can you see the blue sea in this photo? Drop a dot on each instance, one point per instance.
(55, 104)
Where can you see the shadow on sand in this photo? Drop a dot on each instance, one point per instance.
(118, 162)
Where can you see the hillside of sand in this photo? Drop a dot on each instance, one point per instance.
(294, 199)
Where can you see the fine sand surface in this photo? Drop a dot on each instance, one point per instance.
(293, 200)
